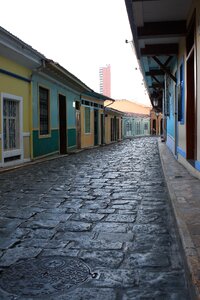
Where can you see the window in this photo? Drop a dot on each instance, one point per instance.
(145, 126)
(87, 120)
(10, 124)
(137, 128)
(44, 110)
(128, 126)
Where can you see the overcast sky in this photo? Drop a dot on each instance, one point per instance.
(81, 35)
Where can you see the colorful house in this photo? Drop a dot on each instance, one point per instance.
(166, 39)
(44, 109)
(17, 61)
(136, 118)
(56, 97)
(91, 115)
(113, 125)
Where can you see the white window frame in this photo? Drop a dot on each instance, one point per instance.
(20, 150)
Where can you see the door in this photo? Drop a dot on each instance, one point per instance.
(62, 124)
(96, 126)
(154, 127)
(191, 94)
(102, 129)
(78, 129)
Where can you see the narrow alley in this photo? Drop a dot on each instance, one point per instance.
(92, 225)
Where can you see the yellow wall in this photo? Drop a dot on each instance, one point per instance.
(14, 86)
(108, 127)
(87, 139)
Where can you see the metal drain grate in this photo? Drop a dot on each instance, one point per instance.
(44, 276)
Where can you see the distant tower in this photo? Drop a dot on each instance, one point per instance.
(105, 80)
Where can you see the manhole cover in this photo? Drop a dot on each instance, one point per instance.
(43, 276)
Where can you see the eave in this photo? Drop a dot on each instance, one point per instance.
(157, 27)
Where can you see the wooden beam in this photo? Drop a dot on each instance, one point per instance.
(157, 82)
(155, 73)
(156, 86)
(162, 29)
(168, 61)
(164, 68)
(159, 49)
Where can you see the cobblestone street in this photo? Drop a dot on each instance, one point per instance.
(101, 217)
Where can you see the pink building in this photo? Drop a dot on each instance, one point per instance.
(105, 80)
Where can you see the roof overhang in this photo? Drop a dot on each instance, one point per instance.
(60, 74)
(157, 27)
(15, 49)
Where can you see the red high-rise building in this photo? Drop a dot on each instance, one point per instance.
(105, 80)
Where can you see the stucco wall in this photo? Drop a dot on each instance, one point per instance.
(20, 88)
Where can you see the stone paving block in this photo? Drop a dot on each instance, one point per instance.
(6, 243)
(9, 223)
(168, 280)
(73, 226)
(134, 294)
(40, 233)
(124, 206)
(90, 217)
(150, 229)
(73, 236)
(13, 255)
(33, 242)
(96, 244)
(146, 260)
(89, 294)
(40, 224)
(60, 251)
(61, 217)
(121, 218)
(106, 211)
(95, 205)
(96, 259)
(110, 227)
(120, 278)
(25, 213)
(113, 236)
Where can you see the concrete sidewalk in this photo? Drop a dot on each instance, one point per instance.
(184, 190)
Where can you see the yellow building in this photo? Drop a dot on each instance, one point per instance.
(17, 60)
(91, 120)
(113, 125)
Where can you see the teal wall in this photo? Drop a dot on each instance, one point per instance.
(47, 145)
(71, 137)
(130, 127)
(170, 118)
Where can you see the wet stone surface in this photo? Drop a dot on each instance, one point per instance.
(106, 208)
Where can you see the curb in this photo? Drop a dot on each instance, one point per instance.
(190, 255)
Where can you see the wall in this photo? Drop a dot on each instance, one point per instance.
(50, 144)
(87, 139)
(18, 87)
